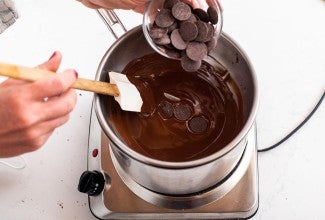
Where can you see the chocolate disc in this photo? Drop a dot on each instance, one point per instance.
(192, 18)
(170, 46)
(173, 53)
(177, 40)
(182, 111)
(198, 124)
(157, 32)
(203, 15)
(202, 31)
(190, 65)
(210, 33)
(170, 3)
(181, 11)
(213, 15)
(211, 44)
(172, 27)
(164, 18)
(188, 31)
(196, 51)
(164, 40)
(166, 109)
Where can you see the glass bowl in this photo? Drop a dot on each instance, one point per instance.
(158, 25)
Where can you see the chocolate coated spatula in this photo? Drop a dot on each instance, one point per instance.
(124, 92)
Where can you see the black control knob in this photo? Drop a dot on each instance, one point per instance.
(91, 182)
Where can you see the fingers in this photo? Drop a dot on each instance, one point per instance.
(203, 4)
(34, 136)
(18, 149)
(59, 106)
(136, 5)
(53, 85)
(53, 63)
(139, 8)
(12, 82)
(198, 4)
(28, 120)
(213, 3)
(30, 139)
(89, 4)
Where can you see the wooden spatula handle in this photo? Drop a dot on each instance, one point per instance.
(33, 74)
(96, 86)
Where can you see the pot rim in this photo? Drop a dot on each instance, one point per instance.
(167, 164)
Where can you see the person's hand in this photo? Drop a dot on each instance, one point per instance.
(30, 111)
(136, 5)
(203, 3)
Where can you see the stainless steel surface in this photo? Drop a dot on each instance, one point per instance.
(111, 20)
(187, 201)
(168, 177)
(237, 197)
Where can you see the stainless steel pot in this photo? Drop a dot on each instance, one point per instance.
(178, 178)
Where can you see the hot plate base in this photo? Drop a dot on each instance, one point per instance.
(117, 201)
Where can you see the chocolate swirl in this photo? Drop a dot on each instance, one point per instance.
(186, 115)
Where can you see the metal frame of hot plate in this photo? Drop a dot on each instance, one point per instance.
(245, 184)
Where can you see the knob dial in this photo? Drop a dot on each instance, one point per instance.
(91, 182)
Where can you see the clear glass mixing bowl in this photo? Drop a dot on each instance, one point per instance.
(155, 6)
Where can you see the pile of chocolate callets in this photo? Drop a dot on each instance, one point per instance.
(185, 33)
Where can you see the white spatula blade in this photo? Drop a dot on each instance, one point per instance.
(129, 98)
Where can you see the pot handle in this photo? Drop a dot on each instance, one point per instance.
(111, 20)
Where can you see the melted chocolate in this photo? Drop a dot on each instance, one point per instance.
(186, 115)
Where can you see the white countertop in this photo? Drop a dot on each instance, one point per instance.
(285, 41)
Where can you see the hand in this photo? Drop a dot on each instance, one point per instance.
(30, 111)
(136, 5)
(203, 3)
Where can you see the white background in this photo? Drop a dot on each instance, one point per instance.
(285, 41)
